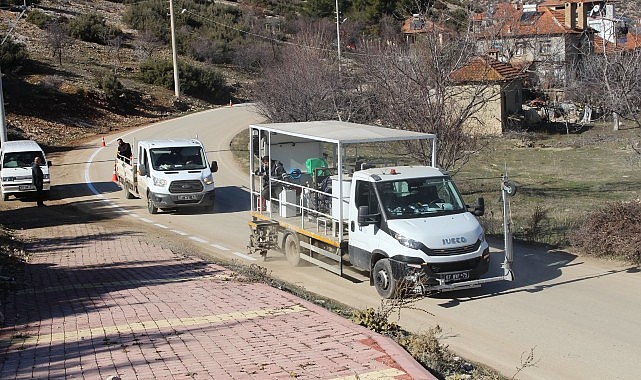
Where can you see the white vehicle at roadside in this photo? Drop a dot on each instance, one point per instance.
(16, 159)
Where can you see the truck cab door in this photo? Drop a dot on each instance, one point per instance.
(144, 170)
(363, 239)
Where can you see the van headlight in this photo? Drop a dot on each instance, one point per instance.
(8, 179)
(209, 180)
(161, 182)
(406, 242)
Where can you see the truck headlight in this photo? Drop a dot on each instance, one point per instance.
(160, 182)
(8, 179)
(409, 243)
(209, 180)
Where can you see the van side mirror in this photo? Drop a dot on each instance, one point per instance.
(214, 166)
(142, 170)
(48, 163)
(479, 207)
(365, 218)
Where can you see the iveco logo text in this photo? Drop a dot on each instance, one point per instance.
(457, 240)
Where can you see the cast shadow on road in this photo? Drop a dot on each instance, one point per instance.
(535, 270)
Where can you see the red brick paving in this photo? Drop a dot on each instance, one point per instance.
(98, 304)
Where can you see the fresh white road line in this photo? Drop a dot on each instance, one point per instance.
(160, 225)
(195, 238)
(146, 220)
(179, 232)
(244, 256)
(220, 247)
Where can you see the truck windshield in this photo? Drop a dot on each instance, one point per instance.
(177, 158)
(419, 197)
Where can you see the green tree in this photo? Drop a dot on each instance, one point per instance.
(12, 55)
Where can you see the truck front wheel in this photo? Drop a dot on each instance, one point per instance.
(384, 282)
(292, 249)
(150, 205)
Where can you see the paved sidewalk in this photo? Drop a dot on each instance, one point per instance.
(99, 303)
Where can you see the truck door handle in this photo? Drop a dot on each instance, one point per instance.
(351, 225)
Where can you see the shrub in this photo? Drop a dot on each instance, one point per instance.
(12, 55)
(38, 18)
(108, 82)
(612, 231)
(91, 27)
(205, 84)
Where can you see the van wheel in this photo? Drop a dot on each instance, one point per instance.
(150, 205)
(292, 249)
(384, 282)
(128, 194)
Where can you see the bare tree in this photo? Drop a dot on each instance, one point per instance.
(611, 82)
(58, 39)
(147, 43)
(413, 89)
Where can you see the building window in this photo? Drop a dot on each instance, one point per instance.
(545, 47)
(520, 49)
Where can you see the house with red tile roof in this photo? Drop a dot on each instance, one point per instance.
(549, 39)
(500, 85)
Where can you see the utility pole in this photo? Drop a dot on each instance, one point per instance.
(338, 36)
(3, 119)
(173, 48)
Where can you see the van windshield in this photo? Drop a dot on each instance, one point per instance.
(20, 159)
(420, 197)
(178, 158)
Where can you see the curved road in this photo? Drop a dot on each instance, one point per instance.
(579, 316)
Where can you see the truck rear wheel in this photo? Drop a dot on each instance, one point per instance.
(150, 205)
(292, 249)
(128, 194)
(384, 282)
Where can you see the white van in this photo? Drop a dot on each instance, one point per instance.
(16, 160)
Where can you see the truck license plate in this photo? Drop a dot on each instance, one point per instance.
(189, 197)
(458, 276)
(26, 187)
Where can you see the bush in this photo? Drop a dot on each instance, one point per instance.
(38, 18)
(203, 84)
(12, 55)
(92, 27)
(612, 231)
(108, 82)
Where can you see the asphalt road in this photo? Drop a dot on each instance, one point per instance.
(578, 315)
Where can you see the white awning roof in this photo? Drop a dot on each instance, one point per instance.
(340, 132)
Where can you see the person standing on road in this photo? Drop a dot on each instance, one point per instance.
(124, 150)
(37, 180)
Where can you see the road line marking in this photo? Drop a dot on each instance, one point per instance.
(160, 225)
(179, 232)
(146, 220)
(220, 247)
(119, 330)
(385, 374)
(244, 256)
(195, 238)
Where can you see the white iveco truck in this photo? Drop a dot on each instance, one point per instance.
(407, 226)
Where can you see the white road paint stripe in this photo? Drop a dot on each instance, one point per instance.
(180, 232)
(146, 220)
(220, 247)
(160, 225)
(244, 256)
(195, 238)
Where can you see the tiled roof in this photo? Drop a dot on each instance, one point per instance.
(483, 69)
(422, 25)
(510, 21)
(632, 42)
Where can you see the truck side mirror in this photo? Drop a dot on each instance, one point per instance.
(214, 166)
(365, 218)
(49, 163)
(479, 207)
